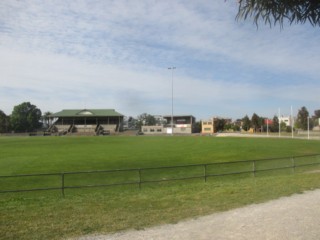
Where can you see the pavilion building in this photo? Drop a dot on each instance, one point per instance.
(86, 122)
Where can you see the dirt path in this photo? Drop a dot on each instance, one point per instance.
(295, 217)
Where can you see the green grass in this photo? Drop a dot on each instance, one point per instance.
(63, 154)
(46, 215)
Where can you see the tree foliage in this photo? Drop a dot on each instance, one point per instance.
(275, 124)
(4, 122)
(219, 124)
(47, 119)
(132, 123)
(145, 120)
(302, 118)
(274, 12)
(283, 127)
(246, 123)
(25, 117)
(316, 118)
(255, 122)
(197, 127)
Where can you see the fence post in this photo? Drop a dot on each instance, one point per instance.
(205, 172)
(139, 178)
(254, 167)
(293, 164)
(62, 184)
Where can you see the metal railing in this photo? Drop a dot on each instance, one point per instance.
(139, 176)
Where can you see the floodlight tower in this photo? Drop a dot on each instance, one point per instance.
(171, 68)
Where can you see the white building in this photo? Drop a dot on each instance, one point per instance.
(287, 120)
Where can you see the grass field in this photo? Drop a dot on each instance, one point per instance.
(56, 154)
(46, 215)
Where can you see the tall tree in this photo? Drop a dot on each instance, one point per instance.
(197, 127)
(302, 118)
(47, 118)
(262, 124)
(132, 123)
(275, 124)
(219, 124)
(150, 120)
(255, 122)
(246, 123)
(4, 122)
(274, 12)
(25, 117)
(316, 118)
(145, 120)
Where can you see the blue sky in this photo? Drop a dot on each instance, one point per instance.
(72, 54)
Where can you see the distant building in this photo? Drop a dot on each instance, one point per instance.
(182, 124)
(210, 126)
(286, 120)
(153, 130)
(207, 126)
(268, 121)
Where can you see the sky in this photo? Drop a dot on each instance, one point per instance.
(105, 54)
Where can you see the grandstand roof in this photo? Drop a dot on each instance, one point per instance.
(87, 113)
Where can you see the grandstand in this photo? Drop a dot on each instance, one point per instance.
(86, 122)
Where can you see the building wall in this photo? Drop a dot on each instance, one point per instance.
(207, 126)
(181, 125)
(186, 129)
(157, 130)
(286, 120)
(180, 120)
(151, 130)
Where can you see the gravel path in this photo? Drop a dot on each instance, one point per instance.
(295, 217)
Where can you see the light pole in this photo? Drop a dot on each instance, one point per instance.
(292, 123)
(171, 68)
(308, 127)
(279, 123)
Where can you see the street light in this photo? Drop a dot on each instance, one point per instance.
(172, 68)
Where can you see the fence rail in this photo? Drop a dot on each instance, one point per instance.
(162, 174)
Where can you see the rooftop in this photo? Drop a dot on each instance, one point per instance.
(87, 113)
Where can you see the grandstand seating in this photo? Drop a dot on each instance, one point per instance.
(62, 129)
(77, 129)
(109, 127)
(85, 128)
(106, 129)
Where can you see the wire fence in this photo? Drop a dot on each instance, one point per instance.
(139, 176)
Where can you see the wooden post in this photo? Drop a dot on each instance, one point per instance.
(139, 178)
(254, 168)
(293, 165)
(62, 184)
(119, 125)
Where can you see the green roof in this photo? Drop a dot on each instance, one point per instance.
(87, 113)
